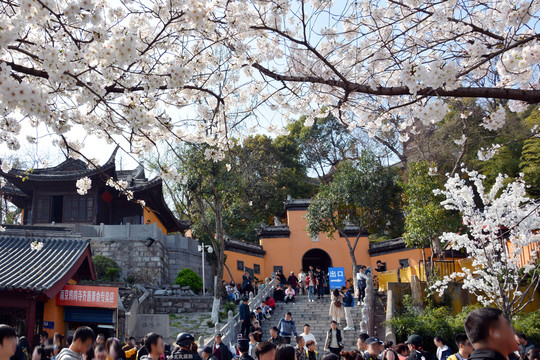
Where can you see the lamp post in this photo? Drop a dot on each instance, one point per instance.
(202, 248)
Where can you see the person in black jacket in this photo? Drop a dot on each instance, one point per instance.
(282, 279)
(319, 275)
(415, 344)
(375, 347)
(491, 334)
(243, 349)
(245, 317)
(184, 349)
(220, 350)
(334, 340)
(279, 294)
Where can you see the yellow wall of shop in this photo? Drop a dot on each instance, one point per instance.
(53, 312)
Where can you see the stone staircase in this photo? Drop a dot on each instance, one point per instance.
(316, 315)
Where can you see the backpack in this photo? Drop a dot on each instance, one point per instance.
(337, 302)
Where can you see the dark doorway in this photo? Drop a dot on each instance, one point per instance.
(57, 209)
(316, 257)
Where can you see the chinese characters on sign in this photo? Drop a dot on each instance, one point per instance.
(336, 277)
(88, 296)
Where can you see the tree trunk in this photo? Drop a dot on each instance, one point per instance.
(351, 253)
(437, 248)
(220, 252)
(425, 265)
(354, 270)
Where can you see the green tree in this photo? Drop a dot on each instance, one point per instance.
(530, 156)
(208, 190)
(425, 219)
(323, 145)
(230, 196)
(266, 171)
(364, 194)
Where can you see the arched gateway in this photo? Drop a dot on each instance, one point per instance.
(316, 257)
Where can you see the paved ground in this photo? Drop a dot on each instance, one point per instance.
(193, 322)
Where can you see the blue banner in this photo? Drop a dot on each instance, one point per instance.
(336, 277)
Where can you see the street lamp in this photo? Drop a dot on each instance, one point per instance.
(210, 250)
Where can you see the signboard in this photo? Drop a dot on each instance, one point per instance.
(48, 324)
(88, 296)
(336, 276)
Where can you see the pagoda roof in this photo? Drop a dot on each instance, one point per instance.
(296, 204)
(64, 255)
(68, 171)
(22, 183)
(274, 231)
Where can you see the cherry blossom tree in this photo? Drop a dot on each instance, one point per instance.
(146, 74)
(502, 223)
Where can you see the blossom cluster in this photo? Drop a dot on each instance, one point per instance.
(36, 245)
(484, 154)
(6, 166)
(495, 120)
(203, 71)
(83, 185)
(505, 223)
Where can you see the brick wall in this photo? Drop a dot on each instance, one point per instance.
(156, 265)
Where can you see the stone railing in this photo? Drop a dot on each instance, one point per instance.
(231, 329)
(389, 334)
(368, 317)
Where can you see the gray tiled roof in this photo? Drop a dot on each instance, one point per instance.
(25, 269)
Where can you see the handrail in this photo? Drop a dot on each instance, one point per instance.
(368, 317)
(231, 329)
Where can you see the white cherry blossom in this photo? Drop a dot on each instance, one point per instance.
(498, 231)
(83, 185)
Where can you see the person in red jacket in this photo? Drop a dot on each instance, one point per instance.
(270, 302)
(311, 282)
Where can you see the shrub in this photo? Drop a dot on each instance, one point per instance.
(230, 306)
(188, 277)
(529, 324)
(106, 268)
(432, 320)
(429, 322)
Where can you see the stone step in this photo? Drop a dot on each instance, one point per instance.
(316, 315)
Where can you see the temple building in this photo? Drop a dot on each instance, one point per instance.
(49, 196)
(287, 246)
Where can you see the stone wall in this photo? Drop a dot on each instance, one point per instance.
(180, 304)
(156, 265)
(146, 265)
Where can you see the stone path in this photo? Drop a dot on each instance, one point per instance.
(316, 315)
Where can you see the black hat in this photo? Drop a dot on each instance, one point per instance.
(184, 339)
(373, 340)
(207, 349)
(243, 345)
(415, 340)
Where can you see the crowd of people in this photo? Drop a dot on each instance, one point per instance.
(488, 336)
